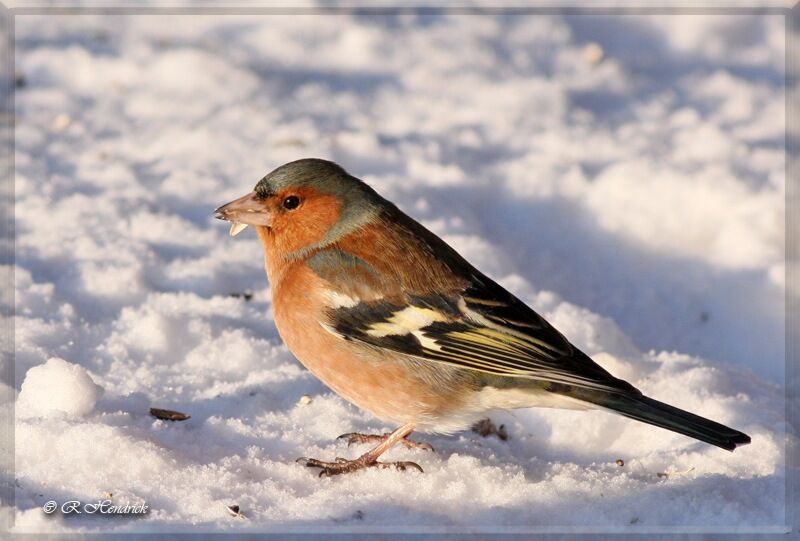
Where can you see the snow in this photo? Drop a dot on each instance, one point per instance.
(57, 387)
(624, 175)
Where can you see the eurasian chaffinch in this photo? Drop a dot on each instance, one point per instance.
(394, 320)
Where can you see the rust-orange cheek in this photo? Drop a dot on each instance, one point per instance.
(306, 226)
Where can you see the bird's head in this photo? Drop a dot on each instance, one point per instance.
(302, 205)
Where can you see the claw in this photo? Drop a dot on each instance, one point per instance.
(310, 462)
(425, 446)
(402, 466)
(351, 437)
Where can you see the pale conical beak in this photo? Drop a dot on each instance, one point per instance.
(247, 210)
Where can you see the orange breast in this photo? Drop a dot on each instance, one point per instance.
(377, 382)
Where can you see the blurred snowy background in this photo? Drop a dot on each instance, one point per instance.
(624, 175)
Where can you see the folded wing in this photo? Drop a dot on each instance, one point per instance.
(482, 328)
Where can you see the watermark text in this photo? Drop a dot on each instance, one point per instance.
(100, 507)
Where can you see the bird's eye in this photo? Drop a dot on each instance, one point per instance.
(291, 202)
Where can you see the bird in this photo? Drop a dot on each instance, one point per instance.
(393, 319)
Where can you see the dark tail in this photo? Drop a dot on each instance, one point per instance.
(663, 415)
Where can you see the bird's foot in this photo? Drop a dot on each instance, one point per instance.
(342, 465)
(355, 437)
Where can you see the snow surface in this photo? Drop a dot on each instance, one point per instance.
(623, 175)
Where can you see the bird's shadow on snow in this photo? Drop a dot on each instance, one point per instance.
(556, 246)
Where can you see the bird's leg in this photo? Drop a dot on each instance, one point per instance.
(368, 459)
(355, 437)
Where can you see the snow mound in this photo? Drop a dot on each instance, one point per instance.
(56, 388)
